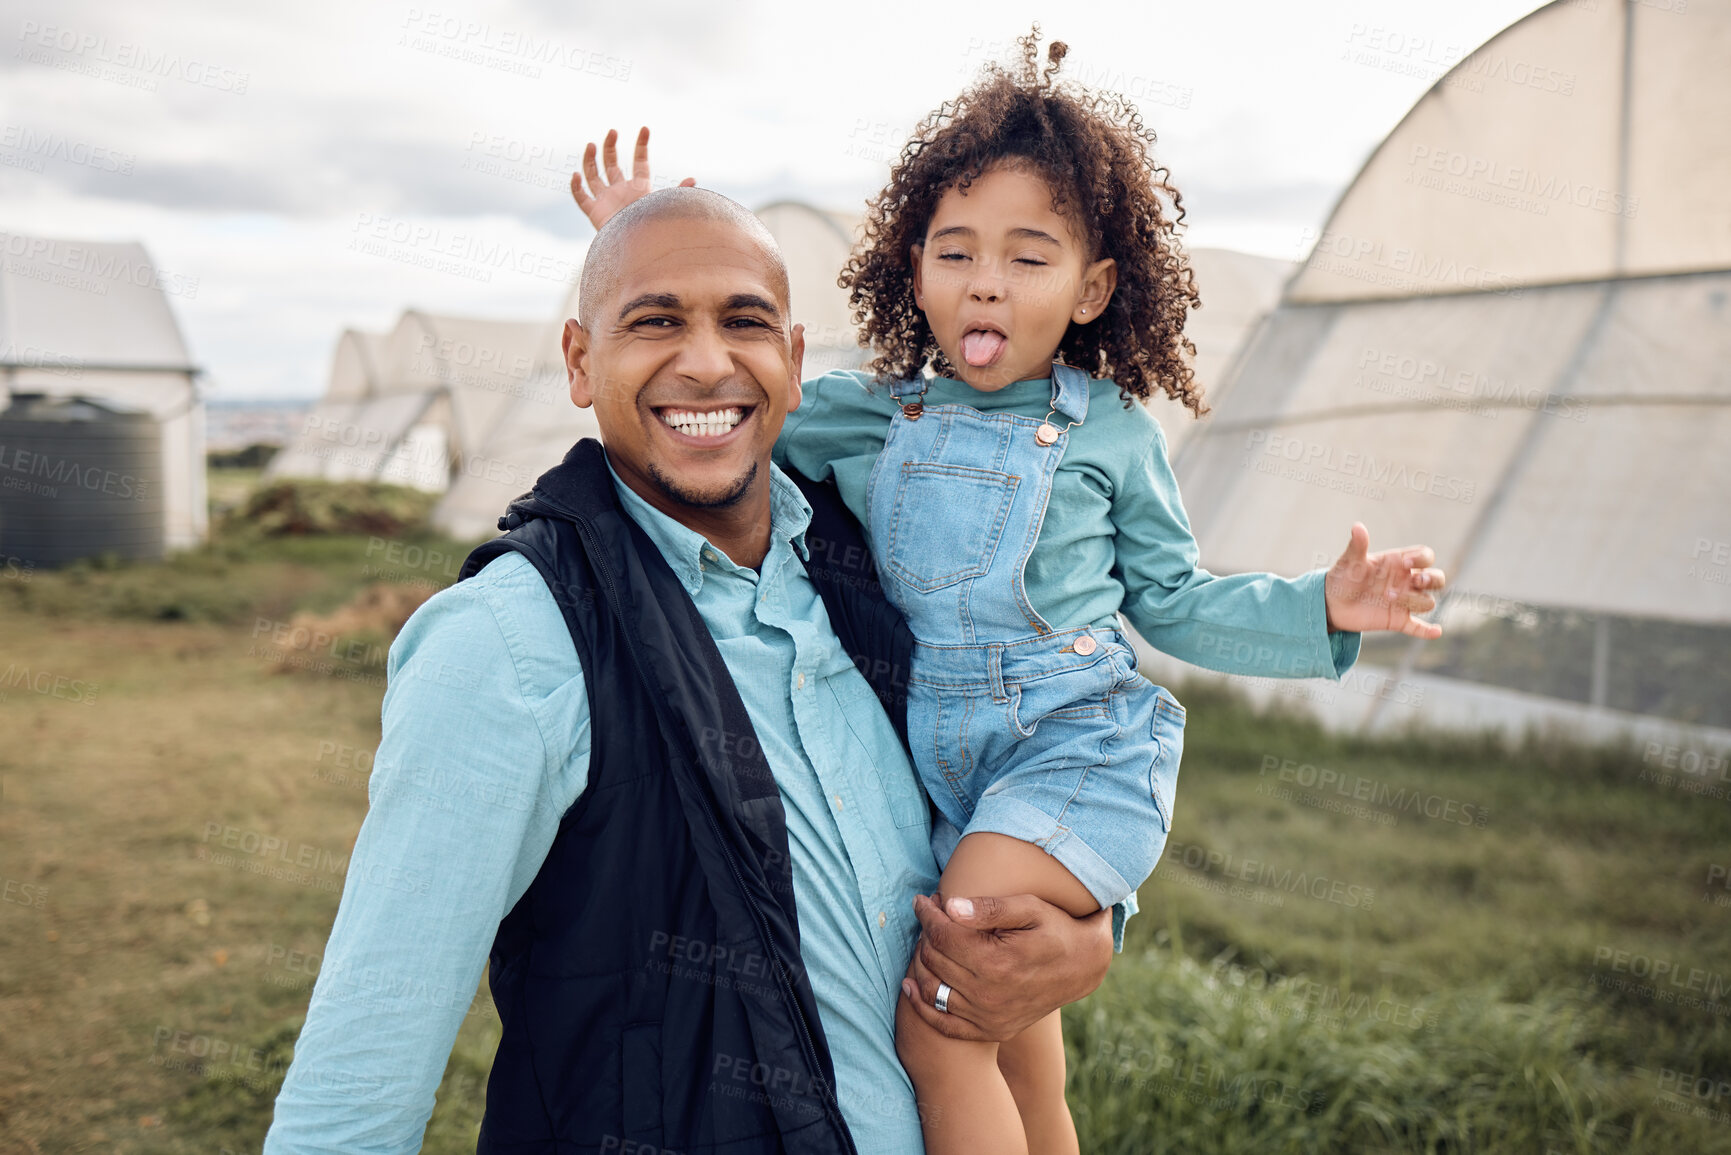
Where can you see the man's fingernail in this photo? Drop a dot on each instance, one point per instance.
(961, 908)
(908, 988)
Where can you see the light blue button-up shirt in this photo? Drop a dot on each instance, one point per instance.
(485, 744)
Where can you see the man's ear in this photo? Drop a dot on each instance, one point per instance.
(1098, 282)
(794, 392)
(914, 254)
(575, 344)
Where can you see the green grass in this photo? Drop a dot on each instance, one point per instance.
(1466, 1002)
(1443, 989)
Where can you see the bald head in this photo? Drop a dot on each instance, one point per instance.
(601, 265)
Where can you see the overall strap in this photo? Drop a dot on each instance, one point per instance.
(914, 386)
(1070, 392)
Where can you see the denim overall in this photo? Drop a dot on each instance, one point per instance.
(1049, 736)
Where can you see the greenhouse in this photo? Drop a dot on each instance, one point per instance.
(1512, 340)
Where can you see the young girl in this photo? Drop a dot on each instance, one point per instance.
(1017, 501)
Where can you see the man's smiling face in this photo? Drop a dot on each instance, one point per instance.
(691, 362)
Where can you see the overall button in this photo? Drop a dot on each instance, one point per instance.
(1086, 645)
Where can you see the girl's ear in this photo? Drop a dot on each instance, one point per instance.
(914, 253)
(1098, 281)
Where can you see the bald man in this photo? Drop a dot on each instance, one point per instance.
(640, 759)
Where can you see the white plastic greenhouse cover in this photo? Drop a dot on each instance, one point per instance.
(1238, 290)
(1557, 431)
(529, 437)
(92, 319)
(815, 244)
(1585, 141)
(422, 403)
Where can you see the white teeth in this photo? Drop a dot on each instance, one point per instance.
(694, 424)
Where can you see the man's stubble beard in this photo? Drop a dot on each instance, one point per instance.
(717, 499)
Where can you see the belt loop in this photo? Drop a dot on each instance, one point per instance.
(995, 669)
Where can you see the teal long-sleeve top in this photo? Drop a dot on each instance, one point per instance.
(1115, 537)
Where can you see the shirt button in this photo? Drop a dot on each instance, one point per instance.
(838, 801)
(881, 918)
(799, 682)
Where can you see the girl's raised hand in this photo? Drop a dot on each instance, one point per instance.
(1382, 591)
(602, 199)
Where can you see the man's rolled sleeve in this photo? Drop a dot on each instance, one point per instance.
(466, 793)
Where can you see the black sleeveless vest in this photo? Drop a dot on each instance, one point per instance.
(649, 981)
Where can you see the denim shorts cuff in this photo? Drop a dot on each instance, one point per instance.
(1003, 814)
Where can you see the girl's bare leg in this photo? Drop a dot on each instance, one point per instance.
(1032, 1064)
(980, 1096)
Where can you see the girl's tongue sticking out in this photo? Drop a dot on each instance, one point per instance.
(981, 347)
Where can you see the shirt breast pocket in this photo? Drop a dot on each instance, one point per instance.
(947, 522)
(873, 742)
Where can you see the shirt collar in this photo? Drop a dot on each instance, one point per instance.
(684, 548)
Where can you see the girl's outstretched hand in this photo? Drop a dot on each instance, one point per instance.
(1382, 591)
(602, 199)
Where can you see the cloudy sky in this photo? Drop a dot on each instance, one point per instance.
(326, 166)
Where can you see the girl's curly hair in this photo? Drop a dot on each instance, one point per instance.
(1094, 152)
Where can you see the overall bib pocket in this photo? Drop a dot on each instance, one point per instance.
(948, 519)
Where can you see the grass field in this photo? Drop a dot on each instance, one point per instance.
(1413, 946)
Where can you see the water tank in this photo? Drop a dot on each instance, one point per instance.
(78, 479)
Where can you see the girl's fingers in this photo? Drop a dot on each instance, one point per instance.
(640, 157)
(582, 198)
(1429, 631)
(589, 169)
(1416, 603)
(610, 156)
